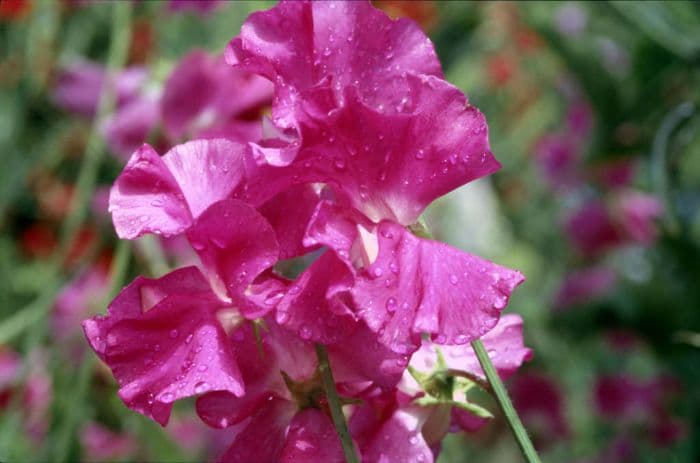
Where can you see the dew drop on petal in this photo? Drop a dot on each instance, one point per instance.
(391, 305)
(200, 387)
(174, 334)
(453, 279)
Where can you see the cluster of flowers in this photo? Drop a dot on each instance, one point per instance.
(607, 212)
(364, 133)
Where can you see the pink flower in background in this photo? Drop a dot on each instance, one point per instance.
(80, 298)
(540, 404)
(101, 444)
(205, 97)
(639, 212)
(78, 86)
(558, 158)
(196, 6)
(591, 229)
(584, 285)
(32, 387)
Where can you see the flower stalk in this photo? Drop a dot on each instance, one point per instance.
(499, 391)
(341, 427)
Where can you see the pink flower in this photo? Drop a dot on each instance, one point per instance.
(370, 116)
(205, 96)
(591, 228)
(558, 158)
(581, 286)
(507, 352)
(540, 404)
(196, 6)
(638, 212)
(102, 444)
(78, 87)
(80, 298)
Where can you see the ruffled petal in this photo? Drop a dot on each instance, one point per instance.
(299, 44)
(289, 213)
(311, 438)
(235, 244)
(422, 286)
(310, 308)
(263, 438)
(397, 439)
(504, 344)
(163, 195)
(163, 342)
(372, 362)
(387, 165)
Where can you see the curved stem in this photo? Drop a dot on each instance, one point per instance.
(506, 405)
(341, 427)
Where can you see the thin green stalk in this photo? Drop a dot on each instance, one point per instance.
(341, 426)
(94, 151)
(506, 405)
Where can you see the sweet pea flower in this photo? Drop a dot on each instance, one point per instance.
(432, 365)
(370, 116)
(78, 86)
(540, 404)
(197, 6)
(101, 444)
(584, 285)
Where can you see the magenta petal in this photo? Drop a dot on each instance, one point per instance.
(236, 244)
(398, 440)
(163, 195)
(310, 307)
(289, 213)
(206, 170)
(163, 342)
(311, 438)
(204, 90)
(360, 357)
(422, 286)
(391, 165)
(147, 199)
(128, 127)
(220, 409)
(504, 344)
(263, 438)
(299, 44)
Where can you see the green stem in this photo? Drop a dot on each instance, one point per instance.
(341, 426)
(94, 151)
(506, 405)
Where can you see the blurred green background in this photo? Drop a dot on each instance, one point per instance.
(587, 103)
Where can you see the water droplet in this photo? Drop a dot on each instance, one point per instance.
(440, 339)
(339, 163)
(198, 246)
(174, 334)
(413, 440)
(393, 266)
(156, 347)
(157, 203)
(200, 387)
(378, 272)
(282, 317)
(391, 305)
(166, 397)
(295, 289)
(387, 282)
(188, 339)
(305, 333)
(202, 368)
(453, 279)
(461, 339)
(326, 51)
(387, 234)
